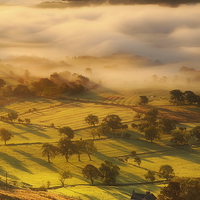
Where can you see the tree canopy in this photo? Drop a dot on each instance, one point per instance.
(143, 100)
(49, 150)
(152, 133)
(196, 132)
(92, 120)
(109, 172)
(66, 148)
(66, 131)
(5, 135)
(181, 189)
(167, 125)
(91, 173)
(113, 121)
(166, 171)
(2, 83)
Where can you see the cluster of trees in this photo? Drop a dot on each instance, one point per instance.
(152, 127)
(10, 117)
(177, 97)
(108, 172)
(165, 171)
(66, 147)
(64, 82)
(181, 189)
(110, 126)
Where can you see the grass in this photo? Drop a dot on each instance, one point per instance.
(65, 113)
(23, 161)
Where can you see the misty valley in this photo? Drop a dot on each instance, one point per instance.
(99, 100)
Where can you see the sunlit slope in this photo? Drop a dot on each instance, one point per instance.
(64, 113)
(23, 161)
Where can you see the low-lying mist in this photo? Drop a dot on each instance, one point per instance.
(123, 45)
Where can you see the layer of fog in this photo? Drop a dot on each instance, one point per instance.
(130, 44)
(163, 33)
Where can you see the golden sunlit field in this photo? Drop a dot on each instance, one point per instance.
(63, 62)
(22, 159)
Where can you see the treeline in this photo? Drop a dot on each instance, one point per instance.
(153, 127)
(177, 97)
(56, 84)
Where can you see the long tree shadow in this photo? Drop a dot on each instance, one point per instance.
(31, 129)
(37, 160)
(9, 174)
(14, 162)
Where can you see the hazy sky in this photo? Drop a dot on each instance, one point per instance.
(163, 33)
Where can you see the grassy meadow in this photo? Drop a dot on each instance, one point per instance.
(25, 165)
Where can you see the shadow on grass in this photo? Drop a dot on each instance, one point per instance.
(31, 129)
(193, 156)
(3, 174)
(39, 161)
(14, 162)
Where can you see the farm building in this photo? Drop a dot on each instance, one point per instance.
(147, 196)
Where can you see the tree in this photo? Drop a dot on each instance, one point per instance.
(49, 150)
(155, 78)
(190, 97)
(91, 173)
(181, 189)
(151, 115)
(143, 100)
(40, 85)
(152, 133)
(103, 129)
(196, 132)
(79, 148)
(167, 125)
(93, 133)
(5, 135)
(22, 91)
(75, 88)
(180, 138)
(163, 79)
(92, 120)
(150, 176)
(2, 83)
(67, 131)
(113, 121)
(133, 153)
(144, 126)
(171, 192)
(63, 176)
(166, 171)
(89, 148)
(12, 116)
(137, 160)
(66, 148)
(28, 121)
(109, 172)
(176, 97)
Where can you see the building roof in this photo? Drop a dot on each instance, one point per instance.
(147, 196)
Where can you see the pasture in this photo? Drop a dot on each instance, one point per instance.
(23, 161)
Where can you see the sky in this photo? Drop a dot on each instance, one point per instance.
(167, 34)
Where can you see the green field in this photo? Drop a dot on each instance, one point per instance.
(23, 161)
